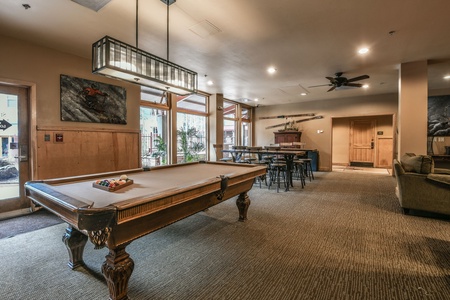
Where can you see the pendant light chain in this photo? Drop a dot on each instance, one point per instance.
(137, 23)
(168, 29)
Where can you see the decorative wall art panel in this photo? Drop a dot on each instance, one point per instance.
(84, 100)
(439, 115)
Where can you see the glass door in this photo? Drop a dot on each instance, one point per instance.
(14, 136)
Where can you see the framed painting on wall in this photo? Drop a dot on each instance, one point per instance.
(84, 100)
(439, 115)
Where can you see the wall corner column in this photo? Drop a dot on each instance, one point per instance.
(215, 126)
(173, 137)
(413, 108)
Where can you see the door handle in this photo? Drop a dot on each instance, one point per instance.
(372, 144)
(23, 152)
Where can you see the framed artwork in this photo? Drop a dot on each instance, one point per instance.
(439, 115)
(84, 100)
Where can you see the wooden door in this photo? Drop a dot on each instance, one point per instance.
(362, 143)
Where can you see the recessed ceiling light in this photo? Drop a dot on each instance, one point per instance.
(271, 70)
(303, 94)
(363, 50)
(366, 86)
(447, 77)
(256, 99)
(210, 82)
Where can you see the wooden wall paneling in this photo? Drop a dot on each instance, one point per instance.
(384, 152)
(127, 155)
(86, 152)
(56, 159)
(97, 154)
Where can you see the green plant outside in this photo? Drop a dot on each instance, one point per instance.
(161, 149)
(189, 147)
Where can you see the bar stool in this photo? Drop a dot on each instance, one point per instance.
(250, 160)
(261, 178)
(308, 167)
(299, 171)
(277, 173)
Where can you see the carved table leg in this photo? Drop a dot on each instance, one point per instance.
(75, 242)
(243, 202)
(117, 270)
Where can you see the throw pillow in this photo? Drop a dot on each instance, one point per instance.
(422, 164)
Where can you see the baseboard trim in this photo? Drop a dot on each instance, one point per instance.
(361, 164)
(15, 213)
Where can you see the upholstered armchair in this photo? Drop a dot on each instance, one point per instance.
(420, 186)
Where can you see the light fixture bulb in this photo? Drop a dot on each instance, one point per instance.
(363, 50)
(271, 70)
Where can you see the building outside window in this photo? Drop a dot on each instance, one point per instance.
(154, 127)
(9, 135)
(192, 127)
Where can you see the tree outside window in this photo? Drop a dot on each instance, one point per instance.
(191, 136)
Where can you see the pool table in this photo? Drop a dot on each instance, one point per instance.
(156, 198)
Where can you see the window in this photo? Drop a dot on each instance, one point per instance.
(229, 126)
(192, 103)
(246, 126)
(153, 97)
(154, 129)
(191, 127)
(11, 101)
(237, 124)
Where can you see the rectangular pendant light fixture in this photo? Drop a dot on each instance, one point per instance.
(116, 59)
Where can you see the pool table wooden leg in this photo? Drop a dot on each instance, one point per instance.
(117, 270)
(243, 202)
(75, 242)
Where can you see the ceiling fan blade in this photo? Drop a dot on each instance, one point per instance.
(331, 79)
(313, 86)
(331, 89)
(358, 78)
(353, 84)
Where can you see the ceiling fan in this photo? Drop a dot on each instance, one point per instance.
(340, 81)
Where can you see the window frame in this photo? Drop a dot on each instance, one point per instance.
(239, 120)
(204, 114)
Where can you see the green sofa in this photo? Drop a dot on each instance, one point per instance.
(420, 186)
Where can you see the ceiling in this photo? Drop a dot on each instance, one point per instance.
(233, 42)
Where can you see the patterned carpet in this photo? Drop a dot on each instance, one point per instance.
(341, 237)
